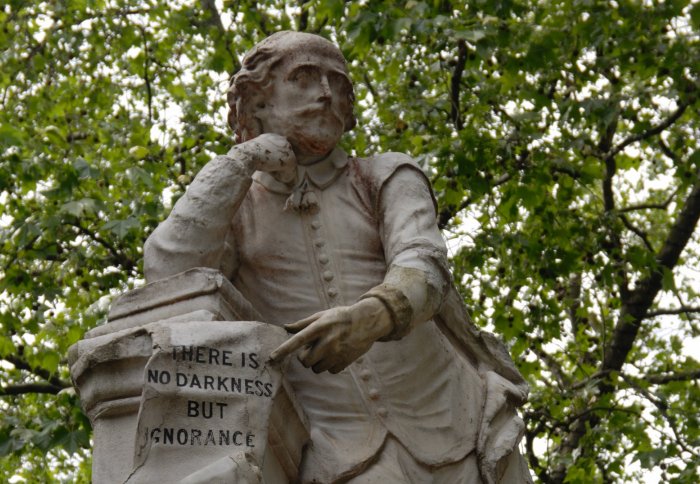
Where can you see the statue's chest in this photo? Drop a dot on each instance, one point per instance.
(341, 227)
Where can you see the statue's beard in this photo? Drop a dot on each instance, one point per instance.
(313, 143)
(315, 131)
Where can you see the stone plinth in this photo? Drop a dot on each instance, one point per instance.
(178, 388)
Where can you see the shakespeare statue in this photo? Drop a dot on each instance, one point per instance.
(344, 253)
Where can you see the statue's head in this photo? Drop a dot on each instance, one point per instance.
(296, 85)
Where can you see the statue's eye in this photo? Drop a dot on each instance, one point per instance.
(300, 76)
(304, 75)
(339, 83)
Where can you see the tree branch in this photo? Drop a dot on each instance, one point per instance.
(610, 165)
(573, 302)
(667, 151)
(369, 85)
(553, 366)
(639, 233)
(648, 206)
(146, 76)
(30, 388)
(604, 408)
(215, 20)
(530, 452)
(662, 406)
(119, 258)
(669, 311)
(447, 213)
(22, 364)
(664, 378)
(456, 115)
(586, 381)
(303, 17)
(615, 250)
(635, 308)
(632, 313)
(214, 17)
(682, 106)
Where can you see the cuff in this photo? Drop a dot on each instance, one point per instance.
(399, 308)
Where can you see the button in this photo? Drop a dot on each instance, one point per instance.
(382, 412)
(365, 375)
(319, 243)
(328, 276)
(373, 395)
(315, 225)
(332, 292)
(323, 259)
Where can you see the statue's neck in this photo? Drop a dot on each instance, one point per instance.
(307, 160)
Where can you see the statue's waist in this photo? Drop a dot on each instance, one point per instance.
(412, 388)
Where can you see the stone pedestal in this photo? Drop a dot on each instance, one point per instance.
(178, 388)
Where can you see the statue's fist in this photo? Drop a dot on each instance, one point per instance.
(272, 153)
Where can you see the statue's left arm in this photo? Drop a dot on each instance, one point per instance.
(411, 292)
(417, 277)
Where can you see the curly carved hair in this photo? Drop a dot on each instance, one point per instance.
(248, 86)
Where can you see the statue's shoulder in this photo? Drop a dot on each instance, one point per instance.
(373, 172)
(378, 168)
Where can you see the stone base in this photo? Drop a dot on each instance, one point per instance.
(196, 295)
(108, 370)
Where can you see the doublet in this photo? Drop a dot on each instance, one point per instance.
(369, 230)
(293, 264)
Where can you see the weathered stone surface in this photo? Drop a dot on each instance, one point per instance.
(147, 387)
(198, 294)
(208, 396)
(396, 382)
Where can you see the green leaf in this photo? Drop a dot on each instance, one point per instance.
(472, 36)
(78, 208)
(140, 176)
(121, 228)
(11, 136)
(695, 16)
(649, 459)
(668, 281)
(55, 136)
(85, 170)
(138, 152)
(50, 362)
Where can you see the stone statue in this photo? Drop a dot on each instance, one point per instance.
(396, 383)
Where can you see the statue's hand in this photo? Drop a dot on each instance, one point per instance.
(334, 338)
(272, 153)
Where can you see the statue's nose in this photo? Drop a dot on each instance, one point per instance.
(325, 94)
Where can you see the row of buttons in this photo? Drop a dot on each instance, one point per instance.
(328, 275)
(365, 374)
(373, 393)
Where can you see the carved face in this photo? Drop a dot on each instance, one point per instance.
(307, 102)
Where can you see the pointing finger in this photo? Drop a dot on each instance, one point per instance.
(306, 336)
(302, 323)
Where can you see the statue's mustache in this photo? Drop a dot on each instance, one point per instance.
(319, 109)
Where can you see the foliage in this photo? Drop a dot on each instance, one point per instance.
(561, 137)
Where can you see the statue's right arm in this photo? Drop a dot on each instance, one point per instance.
(195, 232)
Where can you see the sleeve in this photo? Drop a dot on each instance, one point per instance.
(197, 231)
(418, 277)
